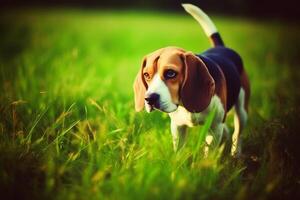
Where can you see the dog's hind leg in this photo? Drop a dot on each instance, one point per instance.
(226, 141)
(240, 120)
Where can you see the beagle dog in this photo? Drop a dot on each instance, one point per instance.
(188, 86)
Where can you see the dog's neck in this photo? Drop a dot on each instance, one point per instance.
(183, 117)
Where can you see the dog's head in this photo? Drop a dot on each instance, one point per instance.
(170, 77)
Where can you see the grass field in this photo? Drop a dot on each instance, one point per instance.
(68, 129)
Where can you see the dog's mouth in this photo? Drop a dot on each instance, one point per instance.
(164, 107)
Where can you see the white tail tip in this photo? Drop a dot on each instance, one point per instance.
(202, 18)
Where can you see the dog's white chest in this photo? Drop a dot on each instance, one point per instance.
(183, 117)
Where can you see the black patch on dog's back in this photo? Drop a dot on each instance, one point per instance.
(231, 65)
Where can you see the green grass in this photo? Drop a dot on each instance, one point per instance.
(68, 129)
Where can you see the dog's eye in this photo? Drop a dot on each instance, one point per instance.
(169, 74)
(146, 75)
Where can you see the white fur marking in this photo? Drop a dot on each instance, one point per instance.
(183, 117)
(159, 87)
(209, 139)
(179, 135)
(240, 118)
(202, 19)
(148, 107)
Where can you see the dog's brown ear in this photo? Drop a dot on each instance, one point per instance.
(198, 86)
(139, 88)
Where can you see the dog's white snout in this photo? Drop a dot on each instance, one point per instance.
(158, 96)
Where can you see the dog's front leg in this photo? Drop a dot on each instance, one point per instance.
(178, 134)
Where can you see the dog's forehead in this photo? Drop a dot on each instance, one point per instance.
(171, 57)
(152, 57)
(166, 57)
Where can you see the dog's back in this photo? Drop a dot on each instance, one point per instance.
(227, 60)
(230, 63)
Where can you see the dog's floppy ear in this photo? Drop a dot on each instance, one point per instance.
(139, 88)
(198, 86)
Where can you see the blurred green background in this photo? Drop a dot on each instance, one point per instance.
(68, 129)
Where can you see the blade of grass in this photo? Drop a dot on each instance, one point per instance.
(62, 134)
(203, 133)
(35, 123)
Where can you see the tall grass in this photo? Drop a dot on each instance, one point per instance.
(68, 129)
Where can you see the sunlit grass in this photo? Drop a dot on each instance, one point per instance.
(68, 128)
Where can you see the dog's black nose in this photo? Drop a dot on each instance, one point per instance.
(152, 99)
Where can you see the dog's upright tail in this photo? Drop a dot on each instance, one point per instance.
(206, 23)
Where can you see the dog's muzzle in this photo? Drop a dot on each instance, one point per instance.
(153, 100)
